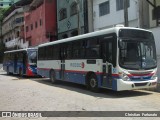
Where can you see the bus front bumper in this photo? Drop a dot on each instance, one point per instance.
(131, 85)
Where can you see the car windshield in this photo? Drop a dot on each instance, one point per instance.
(137, 54)
(32, 56)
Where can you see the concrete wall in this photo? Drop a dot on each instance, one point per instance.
(114, 17)
(69, 24)
(156, 32)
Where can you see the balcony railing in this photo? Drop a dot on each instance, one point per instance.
(17, 42)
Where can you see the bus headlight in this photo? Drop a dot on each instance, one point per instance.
(154, 76)
(124, 77)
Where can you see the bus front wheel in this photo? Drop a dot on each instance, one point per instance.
(52, 76)
(93, 83)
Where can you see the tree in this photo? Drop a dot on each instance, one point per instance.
(2, 11)
(2, 50)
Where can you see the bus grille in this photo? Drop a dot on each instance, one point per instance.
(140, 84)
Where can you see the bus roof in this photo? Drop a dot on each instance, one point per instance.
(92, 34)
(19, 50)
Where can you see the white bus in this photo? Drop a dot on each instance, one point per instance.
(119, 58)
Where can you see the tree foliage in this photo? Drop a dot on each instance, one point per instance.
(2, 45)
(2, 11)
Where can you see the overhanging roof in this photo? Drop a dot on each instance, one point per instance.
(36, 3)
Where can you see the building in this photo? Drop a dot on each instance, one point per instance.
(72, 18)
(12, 26)
(154, 21)
(108, 13)
(40, 22)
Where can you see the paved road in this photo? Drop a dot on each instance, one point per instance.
(38, 94)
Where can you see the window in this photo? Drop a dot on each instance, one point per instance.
(26, 28)
(19, 20)
(104, 8)
(93, 48)
(49, 52)
(68, 50)
(120, 4)
(1, 4)
(56, 52)
(41, 53)
(156, 13)
(63, 13)
(36, 24)
(40, 22)
(31, 26)
(73, 9)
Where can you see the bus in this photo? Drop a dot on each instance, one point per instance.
(22, 62)
(118, 58)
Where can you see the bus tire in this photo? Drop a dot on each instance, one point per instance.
(52, 76)
(93, 83)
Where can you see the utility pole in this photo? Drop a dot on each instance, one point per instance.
(140, 6)
(78, 16)
(125, 4)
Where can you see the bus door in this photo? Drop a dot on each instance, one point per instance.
(62, 56)
(107, 55)
(15, 62)
(24, 63)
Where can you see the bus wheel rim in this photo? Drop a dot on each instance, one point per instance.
(93, 82)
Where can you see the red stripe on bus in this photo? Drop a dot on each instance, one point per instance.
(76, 71)
(132, 75)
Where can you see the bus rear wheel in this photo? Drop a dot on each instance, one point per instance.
(52, 77)
(93, 83)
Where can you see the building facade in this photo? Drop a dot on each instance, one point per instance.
(72, 18)
(40, 22)
(154, 21)
(12, 25)
(11, 29)
(108, 13)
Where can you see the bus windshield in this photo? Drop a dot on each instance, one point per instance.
(32, 56)
(137, 53)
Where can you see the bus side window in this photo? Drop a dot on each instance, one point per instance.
(93, 48)
(68, 50)
(49, 52)
(41, 52)
(57, 52)
(110, 52)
